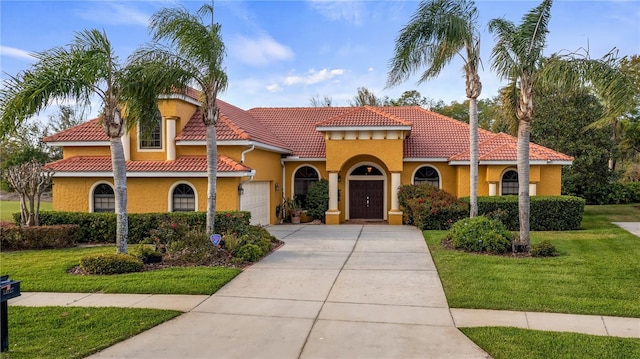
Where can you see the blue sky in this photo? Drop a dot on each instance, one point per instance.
(283, 53)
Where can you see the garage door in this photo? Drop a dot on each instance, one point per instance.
(255, 199)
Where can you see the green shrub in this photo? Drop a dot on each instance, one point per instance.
(318, 199)
(427, 207)
(543, 249)
(146, 253)
(111, 263)
(548, 213)
(480, 234)
(250, 253)
(38, 237)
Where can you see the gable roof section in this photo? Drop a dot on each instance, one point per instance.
(366, 116)
(90, 131)
(503, 147)
(101, 166)
(234, 124)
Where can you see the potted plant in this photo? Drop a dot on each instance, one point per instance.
(295, 210)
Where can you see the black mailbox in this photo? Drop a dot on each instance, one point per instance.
(8, 289)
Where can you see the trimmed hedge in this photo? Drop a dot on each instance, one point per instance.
(481, 234)
(548, 213)
(111, 263)
(428, 207)
(38, 237)
(101, 227)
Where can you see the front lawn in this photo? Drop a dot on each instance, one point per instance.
(519, 343)
(46, 271)
(8, 208)
(75, 332)
(597, 271)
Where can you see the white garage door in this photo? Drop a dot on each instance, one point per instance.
(255, 199)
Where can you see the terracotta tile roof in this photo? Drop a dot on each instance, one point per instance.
(433, 136)
(85, 132)
(181, 164)
(503, 147)
(366, 116)
(296, 126)
(233, 124)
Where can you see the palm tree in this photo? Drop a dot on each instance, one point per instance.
(196, 51)
(437, 32)
(518, 57)
(87, 67)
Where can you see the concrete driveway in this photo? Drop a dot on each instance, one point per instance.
(347, 291)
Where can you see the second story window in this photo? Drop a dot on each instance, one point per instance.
(151, 135)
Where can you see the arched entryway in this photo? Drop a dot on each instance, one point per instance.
(366, 199)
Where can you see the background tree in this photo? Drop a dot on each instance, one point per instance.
(518, 57)
(562, 123)
(29, 180)
(87, 67)
(320, 102)
(411, 98)
(437, 32)
(365, 98)
(195, 51)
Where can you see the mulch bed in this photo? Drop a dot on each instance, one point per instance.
(224, 259)
(447, 243)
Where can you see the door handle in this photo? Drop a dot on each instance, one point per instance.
(367, 201)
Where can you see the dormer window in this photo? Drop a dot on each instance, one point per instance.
(151, 135)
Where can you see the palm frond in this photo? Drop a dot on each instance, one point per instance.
(437, 32)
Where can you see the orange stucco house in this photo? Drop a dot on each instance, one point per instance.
(269, 154)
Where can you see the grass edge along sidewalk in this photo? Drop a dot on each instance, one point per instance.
(596, 272)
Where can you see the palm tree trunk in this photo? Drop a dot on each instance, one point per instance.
(524, 129)
(120, 184)
(473, 157)
(212, 172)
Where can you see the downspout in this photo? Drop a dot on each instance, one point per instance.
(283, 187)
(240, 189)
(253, 147)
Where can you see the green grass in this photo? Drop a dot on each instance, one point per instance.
(510, 343)
(46, 271)
(597, 272)
(74, 332)
(8, 208)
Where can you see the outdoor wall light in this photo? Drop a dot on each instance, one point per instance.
(277, 187)
(339, 178)
(240, 189)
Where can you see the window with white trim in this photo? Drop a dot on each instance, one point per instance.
(509, 183)
(151, 135)
(104, 199)
(427, 174)
(184, 198)
(303, 179)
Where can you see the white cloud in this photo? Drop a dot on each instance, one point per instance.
(114, 13)
(350, 11)
(15, 53)
(260, 51)
(274, 88)
(313, 77)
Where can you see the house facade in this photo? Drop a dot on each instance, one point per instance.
(267, 155)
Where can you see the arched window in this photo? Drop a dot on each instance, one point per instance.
(104, 200)
(427, 174)
(366, 170)
(304, 177)
(184, 198)
(509, 183)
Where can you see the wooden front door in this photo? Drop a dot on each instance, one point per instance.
(366, 199)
